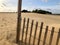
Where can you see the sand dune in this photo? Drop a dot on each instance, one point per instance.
(8, 23)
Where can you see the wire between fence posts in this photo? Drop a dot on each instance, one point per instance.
(26, 31)
(58, 37)
(51, 36)
(23, 28)
(40, 33)
(35, 33)
(45, 35)
(31, 31)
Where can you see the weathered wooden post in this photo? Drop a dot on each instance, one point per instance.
(18, 21)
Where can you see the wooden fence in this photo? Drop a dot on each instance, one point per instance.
(25, 30)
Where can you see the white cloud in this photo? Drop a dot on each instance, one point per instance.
(3, 0)
(7, 6)
(58, 4)
(1, 5)
(45, 0)
(12, 7)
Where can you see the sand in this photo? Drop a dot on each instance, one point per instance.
(8, 23)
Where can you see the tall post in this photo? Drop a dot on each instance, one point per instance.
(18, 21)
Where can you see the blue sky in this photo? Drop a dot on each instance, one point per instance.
(50, 5)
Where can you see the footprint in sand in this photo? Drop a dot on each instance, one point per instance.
(5, 24)
(2, 25)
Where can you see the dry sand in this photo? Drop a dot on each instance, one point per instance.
(8, 23)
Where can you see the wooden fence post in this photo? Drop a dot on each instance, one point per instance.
(35, 33)
(58, 37)
(27, 30)
(23, 28)
(51, 37)
(45, 35)
(18, 21)
(40, 33)
(31, 31)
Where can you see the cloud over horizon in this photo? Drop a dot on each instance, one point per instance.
(11, 5)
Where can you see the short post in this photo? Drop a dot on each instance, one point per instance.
(35, 33)
(51, 36)
(45, 35)
(40, 33)
(58, 37)
(18, 21)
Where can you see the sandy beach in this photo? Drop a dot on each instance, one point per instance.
(8, 25)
